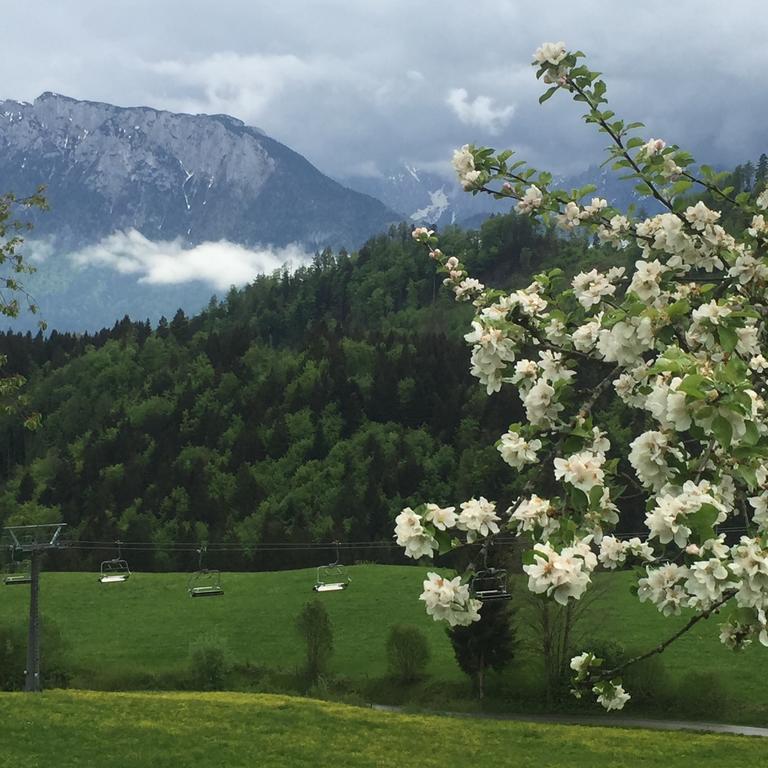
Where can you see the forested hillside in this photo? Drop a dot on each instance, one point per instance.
(307, 407)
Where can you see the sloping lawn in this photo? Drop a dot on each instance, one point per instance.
(66, 729)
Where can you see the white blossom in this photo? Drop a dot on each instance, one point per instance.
(652, 147)
(531, 200)
(590, 287)
(441, 517)
(647, 456)
(449, 600)
(517, 451)
(647, 278)
(464, 165)
(411, 535)
(612, 697)
(550, 53)
(561, 575)
(540, 405)
(535, 512)
(626, 341)
(662, 586)
(585, 336)
(478, 517)
(582, 470)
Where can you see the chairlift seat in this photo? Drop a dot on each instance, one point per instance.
(18, 578)
(489, 585)
(114, 571)
(205, 583)
(18, 572)
(331, 578)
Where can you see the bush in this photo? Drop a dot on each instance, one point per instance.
(314, 625)
(649, 682)
(13, 656)
(210, 662)
(612, 653)
(701, 694)
(407, 653)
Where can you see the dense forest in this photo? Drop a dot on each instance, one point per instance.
(309, 406)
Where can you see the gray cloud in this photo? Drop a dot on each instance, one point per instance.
(479, 112)
(356, 84)
(221, 264)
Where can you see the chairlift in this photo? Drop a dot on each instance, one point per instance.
(332, 577)
(489, 584)
(204, 582)
(115, 571)
(17, 572)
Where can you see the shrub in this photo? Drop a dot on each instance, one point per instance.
(13, 642)
(314, 625)
(701, 694)
(210, 662)
(407, 653)
(649, 682)
(13, 655)
(611, 652)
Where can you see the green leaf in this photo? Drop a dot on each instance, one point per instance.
(548, 94)
(748, 475)
(444, 541)
(751, 436)
(702, 521)
(680, 187)
(691, 385)
(679, 309)
(722, 430)
(728, 338)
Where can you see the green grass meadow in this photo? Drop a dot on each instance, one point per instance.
(69, 729)
(137, 636)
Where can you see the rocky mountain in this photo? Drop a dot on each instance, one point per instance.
(197, 177)
(424, 197)
(135, 187)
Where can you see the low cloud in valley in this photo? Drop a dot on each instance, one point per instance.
(218, 264)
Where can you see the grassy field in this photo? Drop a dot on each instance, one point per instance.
(119, 634)
(173, 730)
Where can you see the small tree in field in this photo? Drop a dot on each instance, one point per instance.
(673, 339)
(407, 653)
(314, 625)
(485, 644)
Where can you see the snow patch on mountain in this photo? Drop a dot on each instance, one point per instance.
(431, 213)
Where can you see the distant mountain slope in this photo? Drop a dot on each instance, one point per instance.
(424, 197)
(198, 177)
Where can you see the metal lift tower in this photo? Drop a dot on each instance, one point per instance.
(34, 540)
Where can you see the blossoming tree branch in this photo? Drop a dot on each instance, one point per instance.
(680, 341)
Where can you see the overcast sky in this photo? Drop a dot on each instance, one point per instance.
(358, 86)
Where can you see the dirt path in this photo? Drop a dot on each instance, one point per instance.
(605, 721)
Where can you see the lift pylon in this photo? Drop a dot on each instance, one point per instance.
(34, 540)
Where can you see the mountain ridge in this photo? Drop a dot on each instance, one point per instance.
(200, 177)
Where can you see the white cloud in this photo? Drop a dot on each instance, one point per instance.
(479, 112)
(221, 264)
(244, 85)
